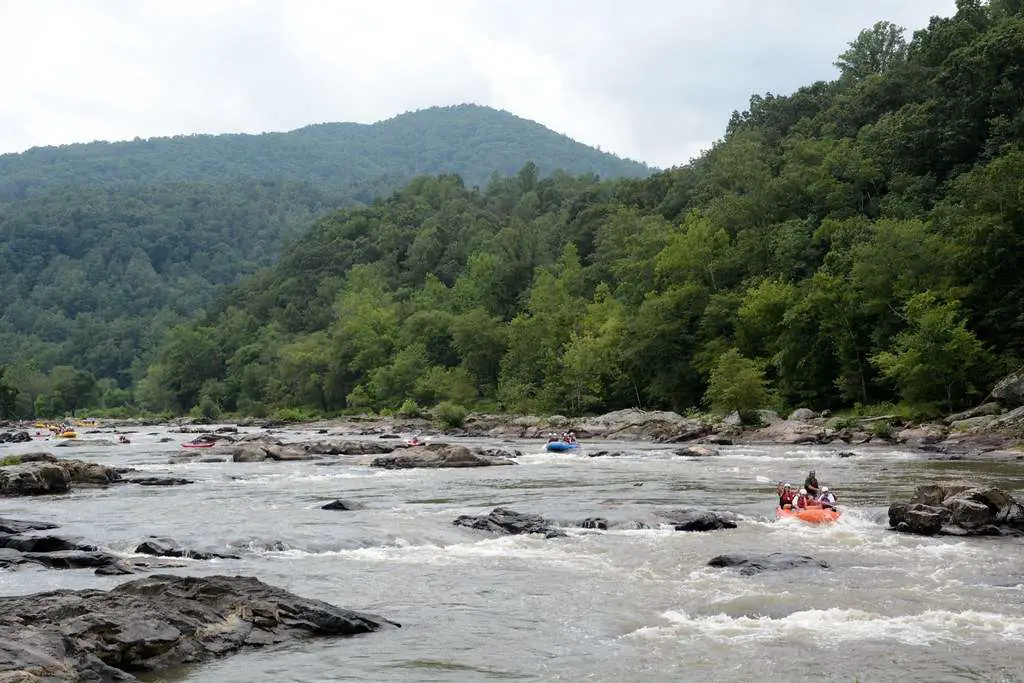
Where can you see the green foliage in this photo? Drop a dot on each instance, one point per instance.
(858, 242)
(875, 51)
(882, 429)
(108, 245)
(8, 397)
(936, 359)
(737, 384)
(409, 409)
(450, 414)
(8, 460)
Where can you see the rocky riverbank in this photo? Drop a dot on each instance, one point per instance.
(989, 431)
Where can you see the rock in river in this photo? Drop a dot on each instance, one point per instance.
(156, 623)
(504, 521)
(748, 565)
(438, 455)
(958, 509)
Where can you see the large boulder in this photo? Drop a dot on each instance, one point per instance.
(790, 432)
(922, 435)
(34, 479)
(348, 447)
(503, 521)
(155, 623)
(633, 424)
(438, 455)
(802, 414)
(958, 508)
(1010, 390)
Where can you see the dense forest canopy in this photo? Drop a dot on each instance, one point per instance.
(360, 159)
(106, 245)
(856, 242)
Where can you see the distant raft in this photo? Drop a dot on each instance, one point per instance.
(559, 446)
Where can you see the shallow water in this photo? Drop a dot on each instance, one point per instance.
(630, 605)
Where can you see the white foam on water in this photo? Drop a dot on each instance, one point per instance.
(512, 548)
(838, 626)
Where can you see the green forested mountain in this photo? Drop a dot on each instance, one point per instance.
(104, 245)
(360, 159)
(857, 241)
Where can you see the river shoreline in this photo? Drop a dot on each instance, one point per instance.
(990, 435)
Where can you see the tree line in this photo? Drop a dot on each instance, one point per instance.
(857, 242)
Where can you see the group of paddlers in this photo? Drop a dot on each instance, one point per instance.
(810, 496)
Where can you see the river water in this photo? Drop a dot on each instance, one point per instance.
(620, 605)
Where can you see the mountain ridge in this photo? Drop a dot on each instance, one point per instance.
(334, 154)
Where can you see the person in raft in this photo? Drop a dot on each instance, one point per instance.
(786, 495)
(827, 498)
(811, 484)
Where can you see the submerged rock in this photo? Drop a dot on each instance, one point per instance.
(157, 623)
(751, 564)
(341, 505)
(159, 481)
(438, 455)
(504, 521)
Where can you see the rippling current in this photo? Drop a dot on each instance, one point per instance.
(631, 605)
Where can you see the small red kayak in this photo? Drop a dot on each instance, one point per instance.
(816, 515)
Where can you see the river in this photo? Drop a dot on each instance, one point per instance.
(621, 605)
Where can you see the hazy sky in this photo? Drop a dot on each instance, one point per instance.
(653, 80)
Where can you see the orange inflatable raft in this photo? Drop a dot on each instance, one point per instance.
(815, 515)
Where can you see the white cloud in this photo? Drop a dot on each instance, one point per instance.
(649, 79)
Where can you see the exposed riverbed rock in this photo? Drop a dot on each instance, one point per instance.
(790, 432)
(698, 520)
(958, 509)
(348, 448)
(438, 455)
(22, 547)
(15, 437)
(34, 474)
(697, 452)
(750, 564)
(503, 521)
(156, 623)
(165, 547)
(922, 435)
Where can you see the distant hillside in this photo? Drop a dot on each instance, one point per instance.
(103, 246)
(470, 140)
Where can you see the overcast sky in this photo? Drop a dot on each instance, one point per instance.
(653, 80)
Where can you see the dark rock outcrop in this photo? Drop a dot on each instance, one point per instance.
(15, 437)
(155, 623)
(341, 505)
(961, 509)
(504, 521)
(158, 481)
(438, 455)
(699, 520)
(165, 547)
(748, 565)
(348, 448)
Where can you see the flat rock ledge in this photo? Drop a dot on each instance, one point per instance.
(155, 623)
(440, 455)
(958, 509)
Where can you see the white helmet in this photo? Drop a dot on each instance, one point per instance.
(824, 489)
(803, 492)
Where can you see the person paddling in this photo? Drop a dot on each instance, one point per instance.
(811, 484)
